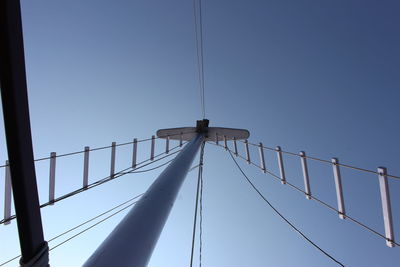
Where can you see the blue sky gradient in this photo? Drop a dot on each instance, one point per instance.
(318, 76)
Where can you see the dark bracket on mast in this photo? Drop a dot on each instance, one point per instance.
(202, 126)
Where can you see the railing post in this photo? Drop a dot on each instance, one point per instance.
(386, 206)
(167, 145)
(216, 139)
(153, 143)
(113, 151)
(7, 194)
(305, 174)
(235, 147)
(280, 164)
(52, 177)
(339, 190)
(225, 143)
(262, 160)
(86, 167)
(134, 153)
(246, 145)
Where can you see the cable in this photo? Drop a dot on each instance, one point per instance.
(197, 203)
(324, 161)
(103, 180)
(201, 214)
(194, 167)
(10, 260)
(90, 227)
(320, 201)
(86, 229)
(199, 49)
(98, 148)
(159, 166)
(85, 222)
(94, 218)
(93, 149)
(198, 54)
(151, 169)
(106, 179)
(281, 215)
(201, 55)
(73, 193)
(142, 162)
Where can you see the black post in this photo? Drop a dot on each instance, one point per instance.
(14, 94)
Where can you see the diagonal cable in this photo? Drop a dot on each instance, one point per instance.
(350, 218)
(83, 223)
(323, 160)
(107, 179)
(282, 216)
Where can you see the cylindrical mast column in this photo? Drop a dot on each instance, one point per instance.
(132, 242)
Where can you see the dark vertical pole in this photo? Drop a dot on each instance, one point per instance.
(34, 249)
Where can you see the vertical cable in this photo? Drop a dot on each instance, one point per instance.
(198, 23)
(201, 56)
(201, 216)
(199, 191)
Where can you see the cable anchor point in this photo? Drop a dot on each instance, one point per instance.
(202, 126)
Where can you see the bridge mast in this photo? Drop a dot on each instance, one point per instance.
(132, 242)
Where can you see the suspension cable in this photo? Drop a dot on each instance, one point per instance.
(201, 217)
(323, 160)
(281, 215)
(100, 215)
(198, 191)
(198, 23)
(356, 221)
(107, 179)
(98, 148)
(83, 223)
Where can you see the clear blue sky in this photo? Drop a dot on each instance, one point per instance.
(319, 76)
